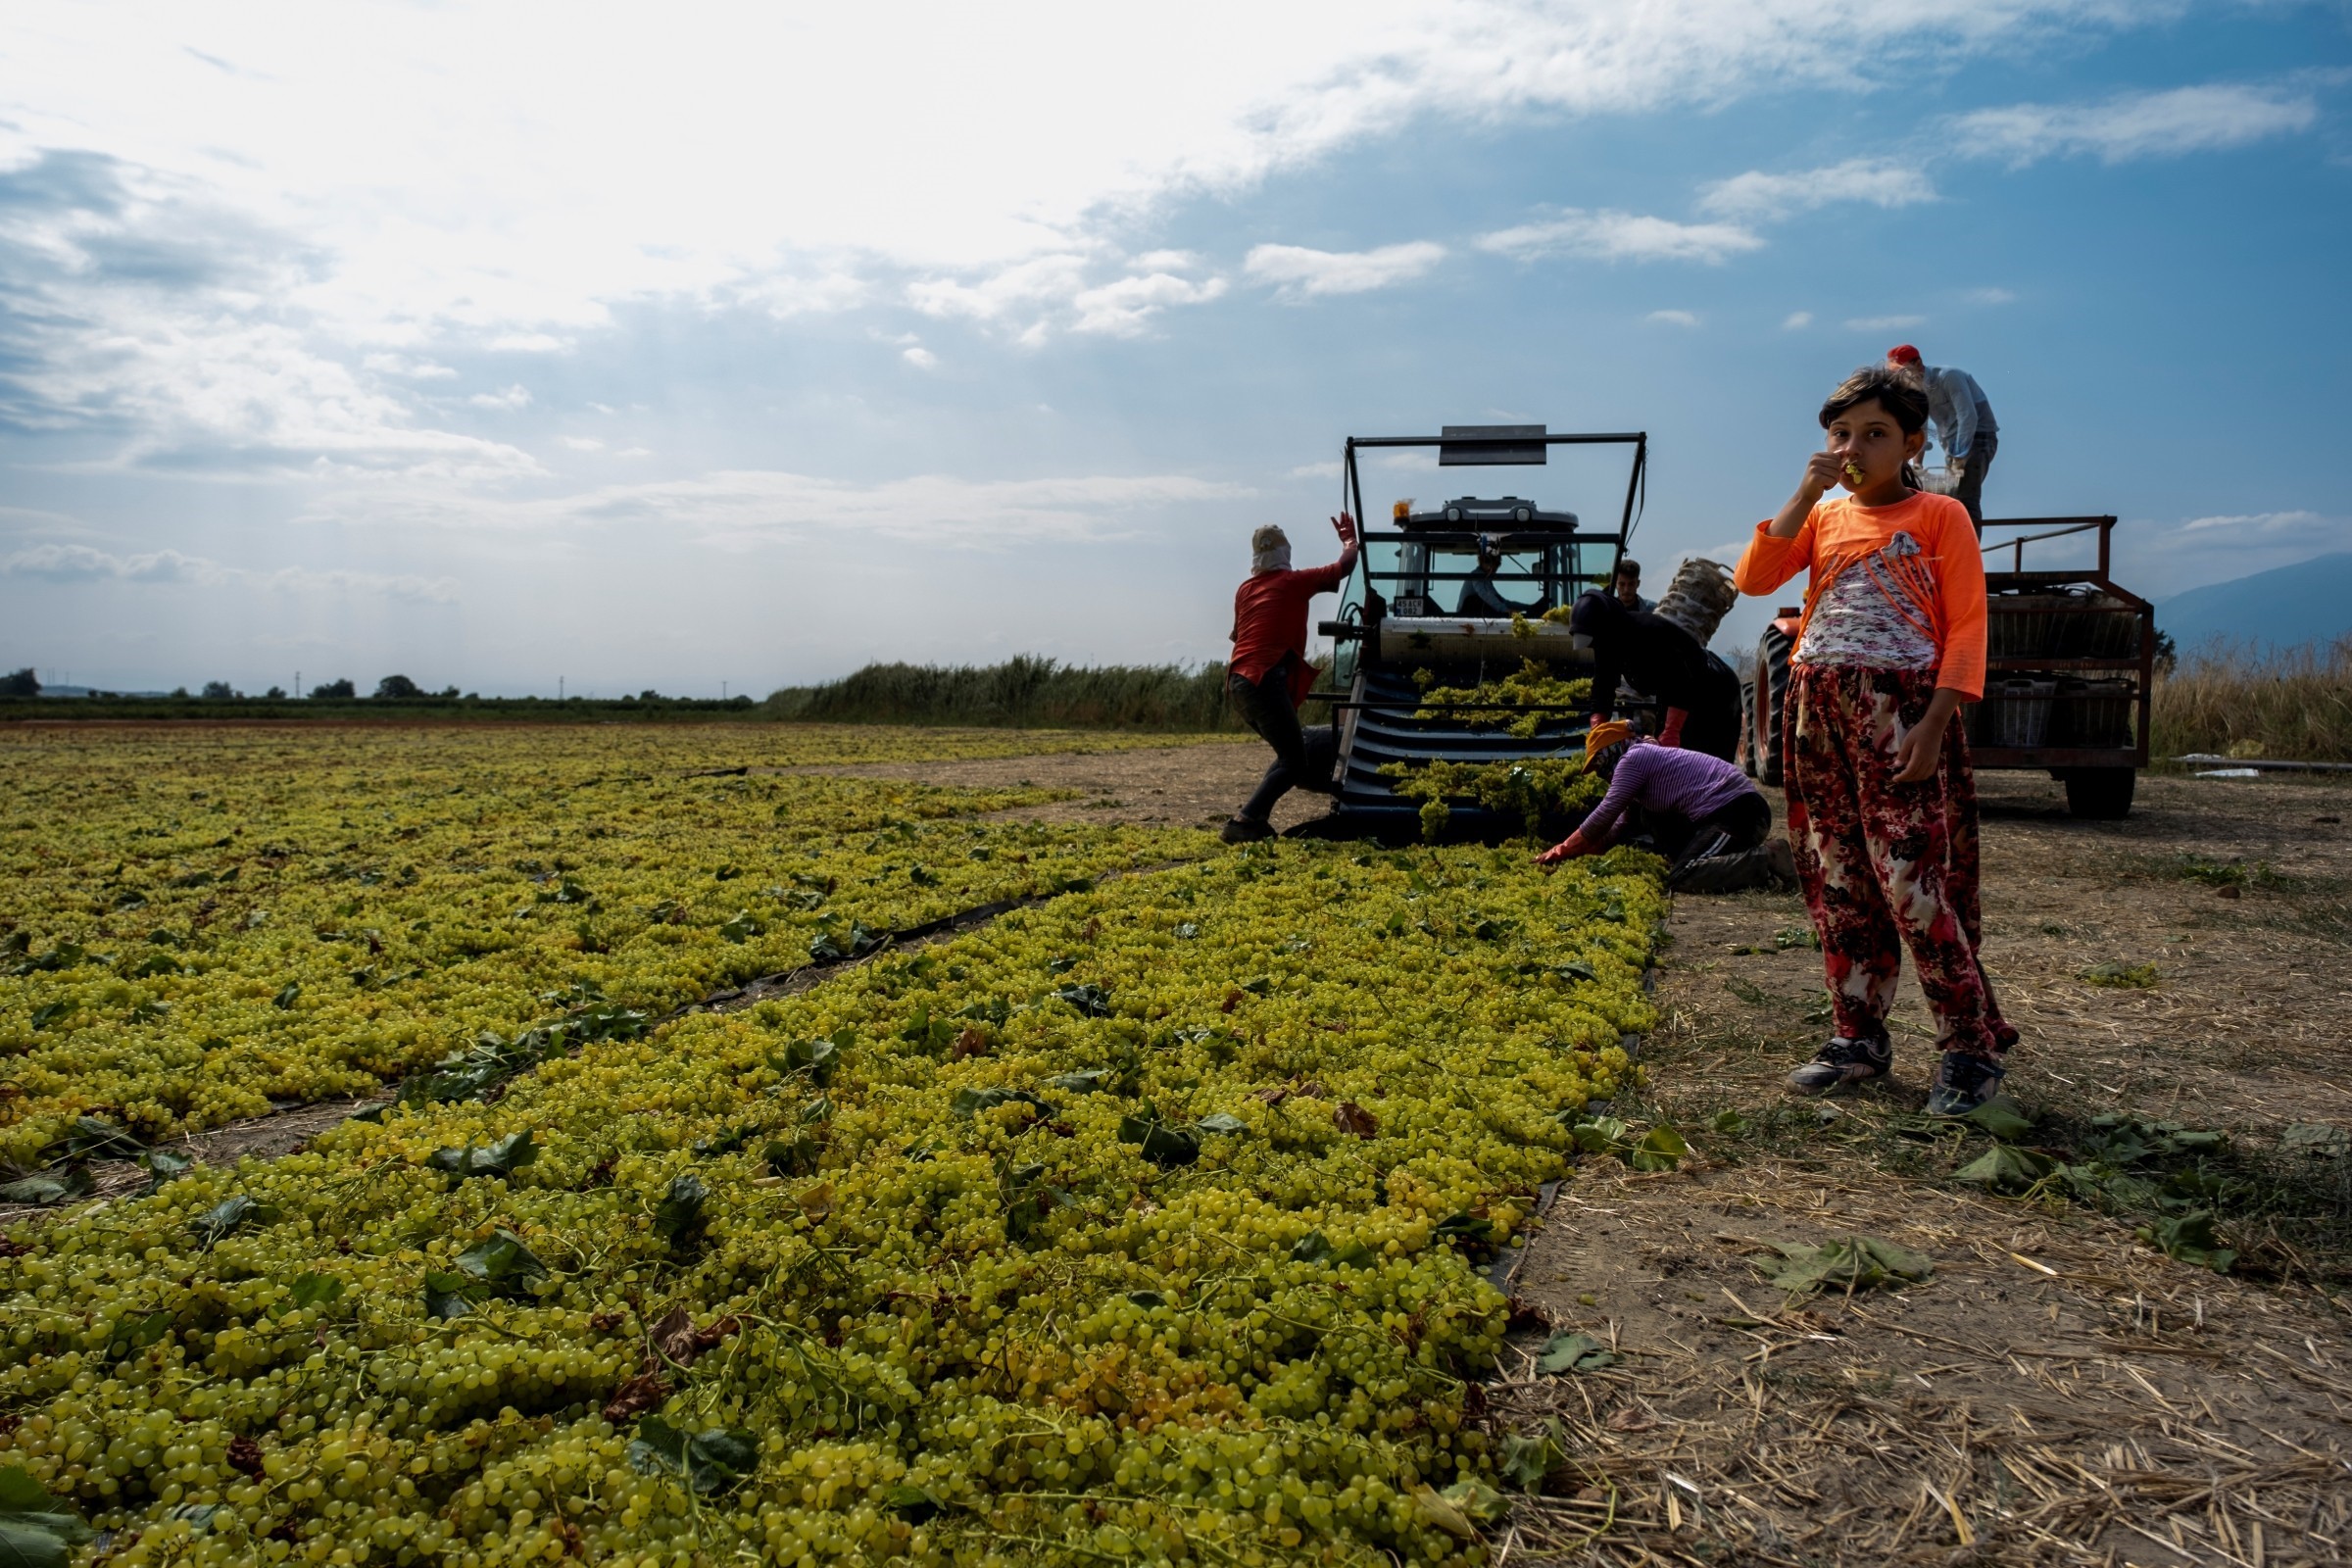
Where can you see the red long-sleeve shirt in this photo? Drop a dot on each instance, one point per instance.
(1269, 619)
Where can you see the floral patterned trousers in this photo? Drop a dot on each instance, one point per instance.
(1887, 867)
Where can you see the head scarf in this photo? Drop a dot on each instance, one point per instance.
(1603, 735)
(1270, 549)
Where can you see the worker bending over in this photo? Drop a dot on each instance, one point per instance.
(1268, 674)
(1698, 808)
(1659, 659)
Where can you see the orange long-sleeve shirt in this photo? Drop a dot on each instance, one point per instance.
(1944, 583)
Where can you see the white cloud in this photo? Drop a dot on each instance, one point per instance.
(516, 210)
(2130, 125)
(583, 442)
(402, 366)
(1883, 323)
(1316, 471)
(517, 396)
(734, 507)
(1797, 321)
(81, 563)
(922, 359)
(1043, 281)
(1125, 307)
(2264, 526)
(2168, 559)
(1990, 296)
(1300, 273)
(1672, 317)
(1614, 236)
(1761, 198)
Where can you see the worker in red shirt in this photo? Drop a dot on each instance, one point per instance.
(1269, 673)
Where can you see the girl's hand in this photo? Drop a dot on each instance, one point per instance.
(1824, 472)
(1922, 746)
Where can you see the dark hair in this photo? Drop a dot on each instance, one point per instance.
(1899, 394)
(1627, 565)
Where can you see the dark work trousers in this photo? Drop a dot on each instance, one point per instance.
(1713, 727)
(1265, 707)
(1970, 491)
(1740, 825)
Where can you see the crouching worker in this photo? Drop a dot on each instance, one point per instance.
(1268, 674)
(1699, 810)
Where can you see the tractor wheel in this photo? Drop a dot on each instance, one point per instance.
(1772, 702)
(2100, 794)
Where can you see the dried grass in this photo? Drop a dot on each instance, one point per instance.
(2234, 699)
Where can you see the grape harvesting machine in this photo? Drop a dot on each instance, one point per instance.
(1411, 606)
(2069, 668)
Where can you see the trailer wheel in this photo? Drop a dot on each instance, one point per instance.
(2100, 794)
(1772, 702)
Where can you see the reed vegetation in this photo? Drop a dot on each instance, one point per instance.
(2230, 700)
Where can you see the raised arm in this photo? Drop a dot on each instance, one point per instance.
(1782, 547)
(1323, 580)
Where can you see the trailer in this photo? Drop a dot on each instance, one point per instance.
(2069, 672)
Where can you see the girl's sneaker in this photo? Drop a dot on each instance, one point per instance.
(1962, 1083)
(1844, 1061)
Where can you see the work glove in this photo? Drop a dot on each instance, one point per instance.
(1345, 526)
(1568, 849)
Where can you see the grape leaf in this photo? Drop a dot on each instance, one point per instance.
(1574, 1353)
(678, 1217)
(223, 1217)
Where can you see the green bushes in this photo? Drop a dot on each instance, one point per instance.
(1023, 691)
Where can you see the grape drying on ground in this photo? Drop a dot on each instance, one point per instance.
(1144, 1223)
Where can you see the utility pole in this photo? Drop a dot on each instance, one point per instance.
(558, 688)
(723, 691)
(298, 683)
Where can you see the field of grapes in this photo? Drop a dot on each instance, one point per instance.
(1150, 1219)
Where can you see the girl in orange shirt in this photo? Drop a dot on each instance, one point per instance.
(1881, 805)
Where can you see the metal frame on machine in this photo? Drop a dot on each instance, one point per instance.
(1502, 451)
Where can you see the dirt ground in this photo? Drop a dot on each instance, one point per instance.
(2059, 1390)
(1180, 786)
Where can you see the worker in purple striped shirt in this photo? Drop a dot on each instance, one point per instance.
(1698, 808)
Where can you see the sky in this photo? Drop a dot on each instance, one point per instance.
(672, 347)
